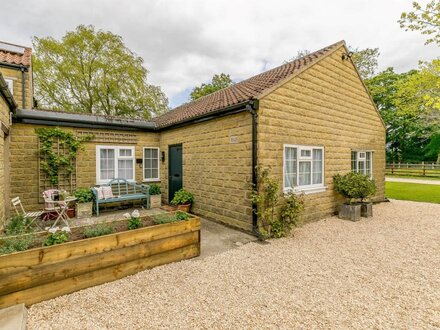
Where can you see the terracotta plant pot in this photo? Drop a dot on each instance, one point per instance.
(350, 212)
(155, 201)
(184, 207)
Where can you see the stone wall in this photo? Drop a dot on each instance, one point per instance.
(217, 167)
(25, 159)
(326, 105)
(16, 76)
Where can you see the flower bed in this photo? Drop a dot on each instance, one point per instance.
(43, 273)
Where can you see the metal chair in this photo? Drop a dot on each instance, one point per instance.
(19, 209)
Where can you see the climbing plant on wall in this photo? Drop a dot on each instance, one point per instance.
(52, 162)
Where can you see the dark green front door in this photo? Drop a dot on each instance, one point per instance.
(175, 179)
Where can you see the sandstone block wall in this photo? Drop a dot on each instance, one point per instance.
(326, 105)
(217, 167)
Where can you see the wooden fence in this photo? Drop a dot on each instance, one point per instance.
(422, 169)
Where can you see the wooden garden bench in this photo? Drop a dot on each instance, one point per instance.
(123, 190)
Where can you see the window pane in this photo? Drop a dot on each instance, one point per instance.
(154, 163)
(304, 176)
(368, 163)
(353, 161)
(107, 164)
(125, 169)
(305, 153)
(154, 153)
(317, 166)
(154, 173)
(361, 166)
(125, 152)
(290, 167)
(147, 153)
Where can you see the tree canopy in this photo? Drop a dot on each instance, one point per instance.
(218, 81)
(92, 71)
(412, 118)
(426, 20)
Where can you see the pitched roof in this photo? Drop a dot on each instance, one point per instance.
(243, 91)
(14, 54)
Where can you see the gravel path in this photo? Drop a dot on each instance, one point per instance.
(381, 273)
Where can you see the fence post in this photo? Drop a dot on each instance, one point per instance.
(392, 168)
(423, 168)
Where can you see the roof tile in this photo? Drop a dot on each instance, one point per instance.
(243, 91)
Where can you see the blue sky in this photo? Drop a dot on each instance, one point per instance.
(184, 43)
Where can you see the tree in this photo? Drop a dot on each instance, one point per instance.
(93, 72)
(364, 59)
(219, 81)
(426, 20)
(409, 131)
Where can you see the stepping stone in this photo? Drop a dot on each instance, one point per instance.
(13, 318)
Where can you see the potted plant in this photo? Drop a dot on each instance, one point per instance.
(356, 188)
(155, 196)
(183, 199)
(84, 204)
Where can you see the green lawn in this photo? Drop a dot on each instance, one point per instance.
(413, 191)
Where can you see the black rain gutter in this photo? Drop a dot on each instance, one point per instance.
(236, 108)
(53, 118)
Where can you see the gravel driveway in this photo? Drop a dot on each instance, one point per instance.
(381, 273)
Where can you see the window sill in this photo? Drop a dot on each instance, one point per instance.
(151, 180)
(307, 190)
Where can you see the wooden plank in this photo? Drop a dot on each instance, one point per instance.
(43, 274)
(19, 261)
(72, 284)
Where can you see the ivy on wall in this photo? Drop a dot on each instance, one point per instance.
(52, 161)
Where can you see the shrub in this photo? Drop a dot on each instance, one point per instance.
(291, 208)
(16, 244)
(134, 223)
(182, 197)
(181, 215)
(354, 186)
(57, 237)
(161, 219)
(277, 213)
(83, 195)
(166, 218)
(154, 189)
(18, 224)
(265, 196)
(98, 230)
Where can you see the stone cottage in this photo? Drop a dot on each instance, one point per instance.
(307, 119)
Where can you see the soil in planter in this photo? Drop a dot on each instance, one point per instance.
(77, 233)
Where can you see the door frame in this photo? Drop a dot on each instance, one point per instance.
(169, 168)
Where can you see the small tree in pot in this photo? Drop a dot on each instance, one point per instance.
(183, 199)
(84, 205)
(356, 188)
(155, 195)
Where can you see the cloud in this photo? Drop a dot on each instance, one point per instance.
(183, 43)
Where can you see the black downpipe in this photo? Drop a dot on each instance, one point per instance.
(253, 110)
(23, 90)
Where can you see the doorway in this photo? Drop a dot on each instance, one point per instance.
(175, 171)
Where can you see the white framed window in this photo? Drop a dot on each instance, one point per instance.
(362, 162)
(151, 164)
(10, 83)
(114, 162)
(303, 168)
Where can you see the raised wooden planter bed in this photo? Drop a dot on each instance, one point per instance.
(43, 273)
